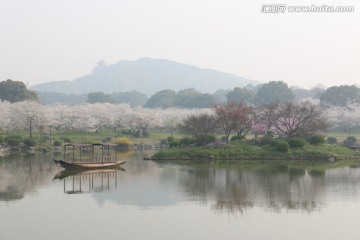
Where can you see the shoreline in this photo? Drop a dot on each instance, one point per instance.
(240, 152)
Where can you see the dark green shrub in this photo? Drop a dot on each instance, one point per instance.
(145, 134)
(267, 140)
(274, 142)
(67, 140)
(170, 139)
(206, 140)
(163, 141)
(57, 143)
(174, 143)
(282, 146)
(30, 142)
(1, 139)
(234, 138)
(296, 142)
(317, 139)
(186, 141)
(331, 140)
(13, 140)
(349, 141)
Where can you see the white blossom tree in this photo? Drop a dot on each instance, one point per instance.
(32, 115)
(5, 115)
(345, 118)
(29, 115)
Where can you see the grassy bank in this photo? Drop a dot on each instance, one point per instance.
(94, 137)
(244, 150)
(235, 150)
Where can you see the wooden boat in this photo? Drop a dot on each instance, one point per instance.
(89, 156)
(87, 165)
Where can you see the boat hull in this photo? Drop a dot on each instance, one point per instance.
(88, 165)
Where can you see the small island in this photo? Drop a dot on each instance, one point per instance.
(279, 131)
(264, 148)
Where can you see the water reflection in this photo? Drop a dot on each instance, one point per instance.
(282, 190)
(23, 173)
(147, 184)
(82, 181)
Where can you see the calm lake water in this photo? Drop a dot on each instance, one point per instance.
(150, 200)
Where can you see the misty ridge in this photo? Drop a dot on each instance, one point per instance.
(146, 76)
(134, 82)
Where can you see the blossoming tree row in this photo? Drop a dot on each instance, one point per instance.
(32, 116)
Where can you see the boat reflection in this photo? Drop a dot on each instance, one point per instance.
(86, 181)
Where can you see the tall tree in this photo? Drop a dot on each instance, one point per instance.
(314, 93)
(274, 91)
(202, 127)
(191, 98)
(204, 101)
(99, 97)
(234, 116)
(15, 91)
(240, 95)
(28, 115)
(220, 95)
(340, 96)
(162, 99)
(186, 98)
(292, 119)
(133, 98)
(246, 116)
(226, 115)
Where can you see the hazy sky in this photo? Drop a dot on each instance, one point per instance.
(50, 40)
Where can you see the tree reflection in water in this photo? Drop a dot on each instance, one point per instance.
(276, 190)
(232, 188)
(23, 173)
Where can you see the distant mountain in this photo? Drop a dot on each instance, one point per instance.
(147, 76)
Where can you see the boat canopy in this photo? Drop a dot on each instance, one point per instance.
(98, 152)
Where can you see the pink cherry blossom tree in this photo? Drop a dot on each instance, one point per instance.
(295, 119)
